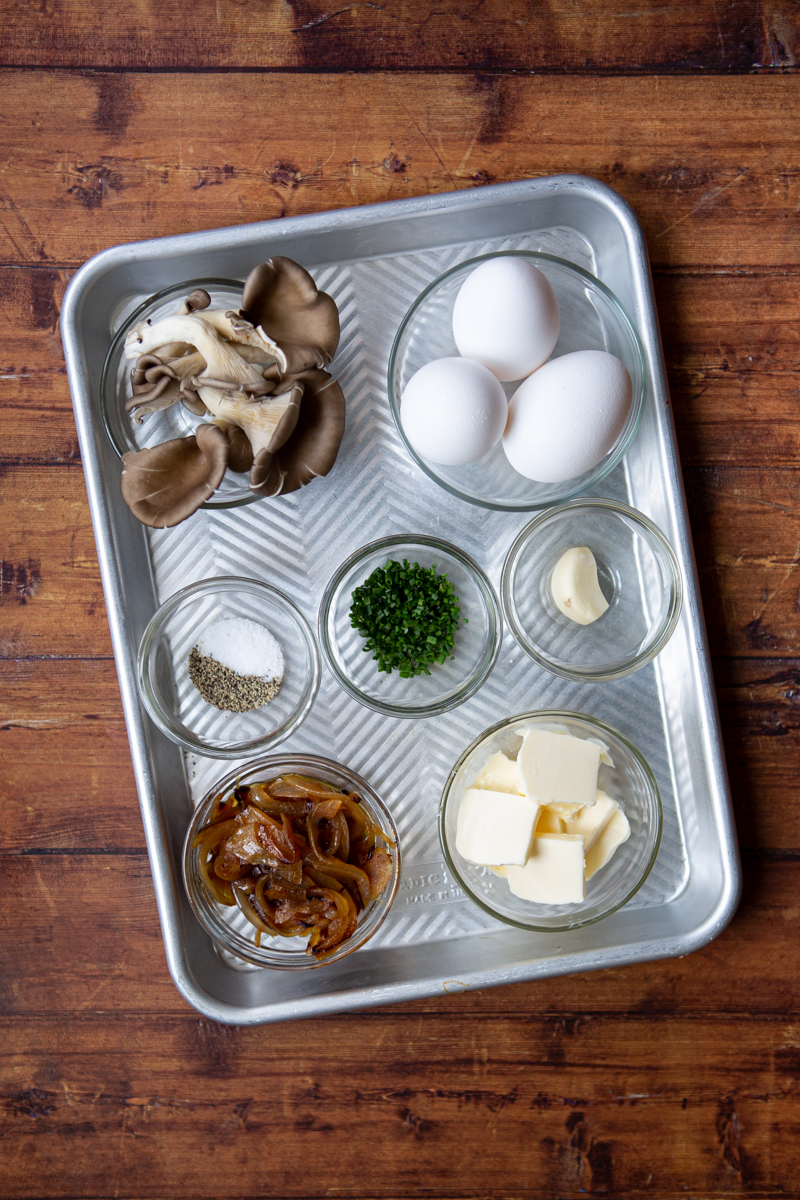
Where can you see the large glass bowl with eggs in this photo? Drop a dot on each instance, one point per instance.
(551, 820)
(517, 380)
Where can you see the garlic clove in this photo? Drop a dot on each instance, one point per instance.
(575, 587)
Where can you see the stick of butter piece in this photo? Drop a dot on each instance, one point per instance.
(616, 832)
(553, 873)
(590, 822)
(550, 822)
(500, 774)
(558, 769)
(494, 828)
(564, 812)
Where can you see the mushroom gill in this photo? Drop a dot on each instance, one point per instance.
(222, 363)
(281, 298)
(266, 420)
(165, 484)
(252, 344)
(311, 450)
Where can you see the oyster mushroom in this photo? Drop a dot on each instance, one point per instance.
(311, 450)
(233, 390)
(241, 452)
(281, 298)
(165, 484)
(267, 421)
(251, 343)
(221, 361)
(197, 299)
(257, 373)
(158, 383)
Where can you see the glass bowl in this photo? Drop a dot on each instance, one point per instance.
(630, 781)
(228, 927)
(638, 575)
(175, 421)
(591, 319)
(174, 702)
(477, 642)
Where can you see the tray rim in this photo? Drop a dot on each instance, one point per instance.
(162, 868)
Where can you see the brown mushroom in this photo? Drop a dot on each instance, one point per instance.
(241, 452)
(196, 300)
(281, 298)
(312, 448)
(191, 401)
(165, 484)
(257, 372)
(252, 344)
(159, 382)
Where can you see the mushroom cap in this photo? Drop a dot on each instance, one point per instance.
(154, 386)
(165, 484)
(281, 297)
(313, 446)
(158, 383)
(241, 452)
(198, 299)
(192, 402)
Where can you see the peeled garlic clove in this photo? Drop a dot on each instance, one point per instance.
(575, 587)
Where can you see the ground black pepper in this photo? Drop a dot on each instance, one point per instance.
(225, 689)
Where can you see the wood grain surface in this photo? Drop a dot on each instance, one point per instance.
(669, 1078)
(487, 35)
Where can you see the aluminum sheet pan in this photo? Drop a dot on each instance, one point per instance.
(374, 260)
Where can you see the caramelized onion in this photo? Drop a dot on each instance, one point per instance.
(297, 857)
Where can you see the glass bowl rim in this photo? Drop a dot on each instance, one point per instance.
(638, 403)
(216, 928)
(222, 583)
(598, 726)
(494, 634)
(666, 555)
(120, 335)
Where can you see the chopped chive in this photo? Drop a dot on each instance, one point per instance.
(408, 615)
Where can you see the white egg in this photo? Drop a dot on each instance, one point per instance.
(566, 416)
(506, 317)
(453, 411)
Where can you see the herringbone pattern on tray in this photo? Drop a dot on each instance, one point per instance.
(296, 543)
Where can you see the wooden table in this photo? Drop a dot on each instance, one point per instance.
(680, 1078)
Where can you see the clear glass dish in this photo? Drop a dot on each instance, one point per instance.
(592, 318)
(173, 701)
(176, 421)
(228, 927)
(639, 576)
(477, 642)
(630, 781)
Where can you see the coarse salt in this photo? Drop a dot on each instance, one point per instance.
(243, 646)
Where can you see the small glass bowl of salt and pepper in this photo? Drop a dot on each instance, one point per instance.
(228, 667)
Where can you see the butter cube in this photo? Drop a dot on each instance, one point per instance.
(590, 822)
(495, 827)
(557, 769)
(565, 812)
(549, 822)
(616, 832)
(500, 774)
(553, 873)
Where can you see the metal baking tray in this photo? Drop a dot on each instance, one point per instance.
(375, 260)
